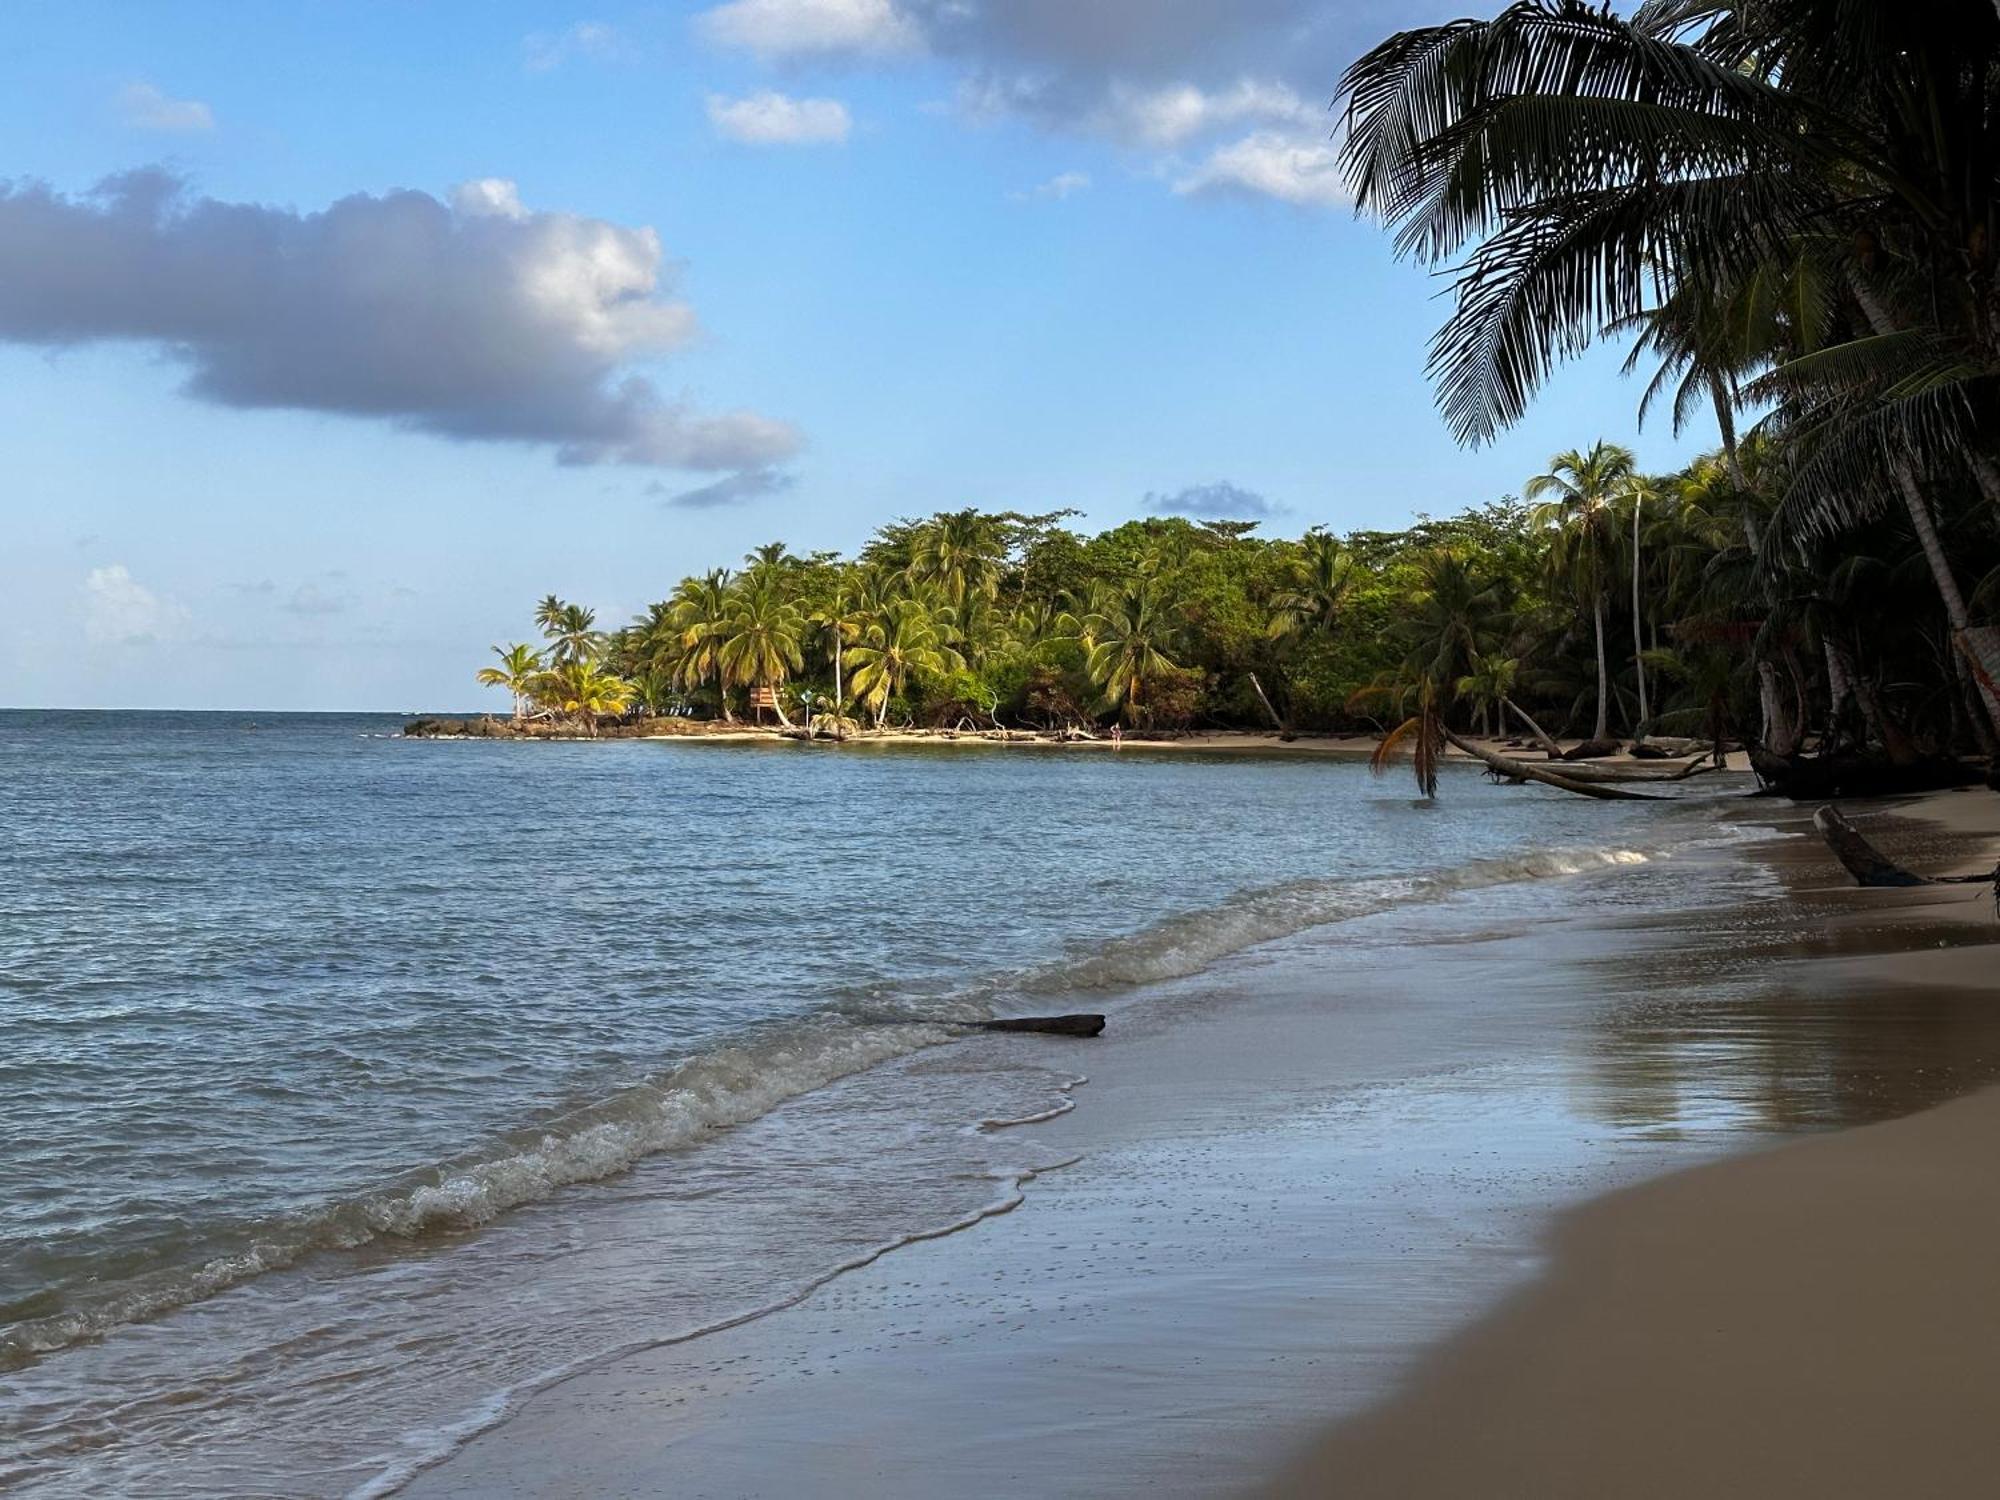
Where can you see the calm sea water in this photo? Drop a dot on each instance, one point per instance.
(340, 1074)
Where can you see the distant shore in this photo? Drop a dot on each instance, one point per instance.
(1356, 746)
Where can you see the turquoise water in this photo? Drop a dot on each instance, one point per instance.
(299, 1019)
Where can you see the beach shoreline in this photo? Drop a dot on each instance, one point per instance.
(1815, 1319)
(1234, 1254)
(1351, 746)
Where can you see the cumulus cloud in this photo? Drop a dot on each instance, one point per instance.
(751, 484)
(594, 41)
(773, 119)
(475, 319)
(1062, 185)
(1214, 95)
(1272, 164)
(1215, 501)
(118, 610)
(146, 107)
(804, 28)
(1174, 114)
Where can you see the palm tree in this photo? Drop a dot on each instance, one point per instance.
(1125, 636)
(1637, 492)
(960, 553)
(700, 612)
(584, 691)
(572, 633)
(1583, 486)
(1321, 581)
(901, 640)
(840, 617)
(519, 666)
(549, 614)
(761, 640)
(1455, 612)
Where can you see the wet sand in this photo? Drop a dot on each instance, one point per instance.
(1284, 1183)
(1820, 1320)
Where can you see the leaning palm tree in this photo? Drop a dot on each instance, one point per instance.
(1575, 498)
(519, 665)
(1322, 579)
(901, 640)
(761, 643)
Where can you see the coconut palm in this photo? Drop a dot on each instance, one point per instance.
(1575, 498)
(1126, 634)
(584, 691)
(700, 613)
(519, 666)
(1322, 579)
(762, 638)
(572, 633)
(901, 640)
(961, 553)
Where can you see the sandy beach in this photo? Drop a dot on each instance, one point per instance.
(1820, 1319)
(1263, 1252)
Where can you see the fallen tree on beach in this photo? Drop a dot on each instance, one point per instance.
(1871, 867)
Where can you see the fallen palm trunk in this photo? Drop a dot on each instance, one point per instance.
(1871, 867)
(1521, 770)
(1655, 772)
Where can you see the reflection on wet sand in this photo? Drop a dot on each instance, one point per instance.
(1759, 1015)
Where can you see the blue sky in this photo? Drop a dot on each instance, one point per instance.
(864, 258)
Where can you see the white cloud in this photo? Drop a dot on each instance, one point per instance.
(145, 107)
(1293, 168)
(1173, 115)
(798, 28)
(1062, 185)
(773, 119)
(494, 196)
(118, 610)
(477, 319)
(592, 40)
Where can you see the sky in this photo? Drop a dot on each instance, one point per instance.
(334, 334)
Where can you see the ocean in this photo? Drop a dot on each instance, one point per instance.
(354, 1088)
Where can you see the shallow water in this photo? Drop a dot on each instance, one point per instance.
(327, 1055)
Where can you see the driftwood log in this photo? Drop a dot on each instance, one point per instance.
(1871, 867)
(1592, 750)
(1656, 771)
(1075, 1025)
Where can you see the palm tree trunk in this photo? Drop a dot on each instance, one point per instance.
(1541, 735)
(1980, 647)
(839, 702)
(1603, 730)
(1638, 621)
